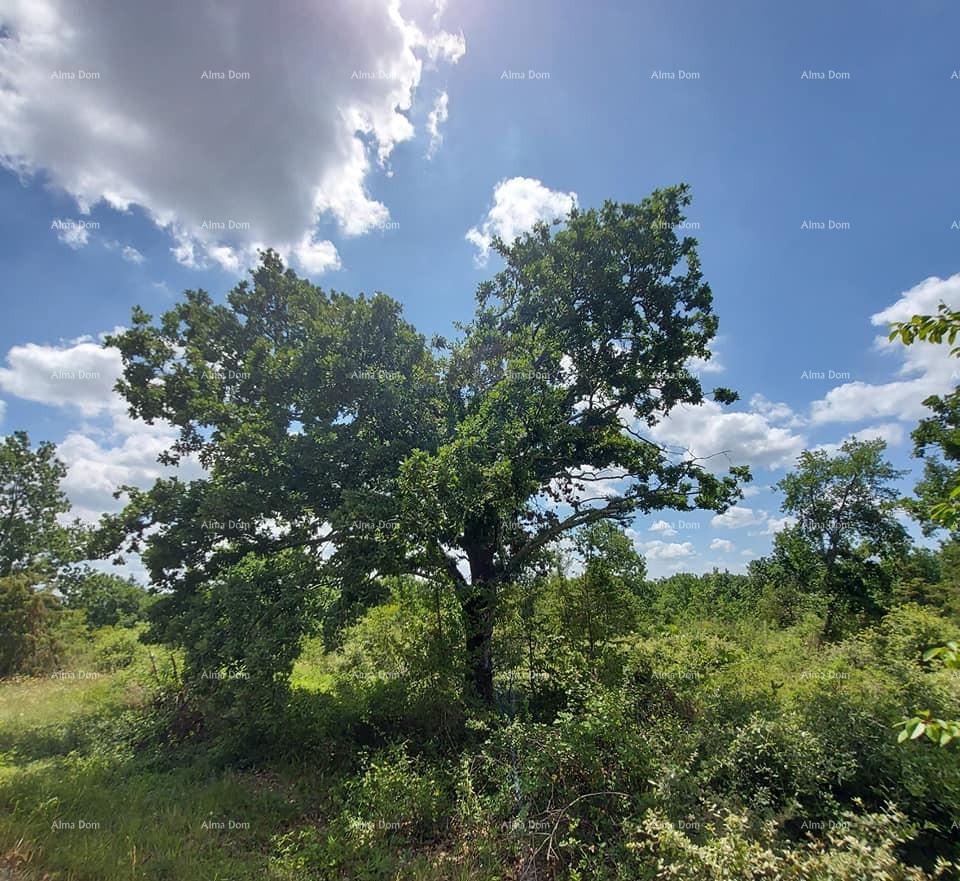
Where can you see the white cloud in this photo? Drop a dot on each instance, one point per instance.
(316, 257)
(722, 438)
(722, 544)
(221, 164)
(518, 203)
(95, 471)
(925, 369)
(773, 525)
(891, 432)
(109, 448)
(705, 365)
(662, 550)
(664, 527)
(775, 412)
(81, 375)
(74, 234)
(737, 517)
(131, 254)
(435, 118)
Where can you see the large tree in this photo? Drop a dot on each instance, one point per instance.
(339, 442)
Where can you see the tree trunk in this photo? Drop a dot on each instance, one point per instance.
(478, 614)
(480, 604)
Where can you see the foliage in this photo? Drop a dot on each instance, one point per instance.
(604, 601)
(28, 617)
(940, 731)
(401, 665)
(31, 538)
(845, 527)
(938, 493)
(855, 847)
(106, 599)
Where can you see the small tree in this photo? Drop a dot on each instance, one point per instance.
(845, 526)
(28, 617)
(604, 600)
(106, 599)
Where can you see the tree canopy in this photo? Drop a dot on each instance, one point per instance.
(844, 505)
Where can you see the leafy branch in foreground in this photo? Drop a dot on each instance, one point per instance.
(940, 731)
(938, 493)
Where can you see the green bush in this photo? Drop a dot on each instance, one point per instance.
(858, 847)
(115, 649)
(777, 765)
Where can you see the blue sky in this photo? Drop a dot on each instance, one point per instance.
(343, 154)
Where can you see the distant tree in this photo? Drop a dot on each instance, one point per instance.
(604, 600)
(105, 598)
(334, 435)
(31, 538)
(846, 528)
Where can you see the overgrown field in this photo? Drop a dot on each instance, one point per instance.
(708, 750)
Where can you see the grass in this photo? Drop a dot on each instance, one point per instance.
(76, 804)
(71, 809)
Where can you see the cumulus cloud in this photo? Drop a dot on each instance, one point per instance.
(316, 257)
(664, 527)
(737, 517)
(437, 117)
(131, 254)
(722, 438)
(224, 144)
(79, 375)
(663, 550)
(518, 203)
(925, 369)
(773, 525)
(891, 432)
(705, 365)
(109, 448)
(775, 412)
(74, 234)
(95, 470)
(722, 544)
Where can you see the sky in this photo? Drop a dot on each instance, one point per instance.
(148, 148)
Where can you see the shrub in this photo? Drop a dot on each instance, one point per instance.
(115, 649)
(860, 847)
(776, 766)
